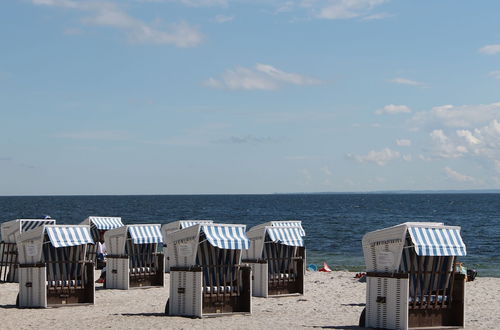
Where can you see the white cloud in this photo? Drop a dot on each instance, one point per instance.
(407, 158)
(380, 158)
(457, 116)
(392, 109)
(404, 81)
(223, 19)
(103, 13)
(495, 74)
(471, 139)
(439, 136)
(444, 147)
(490, 49)
(481, 144)
(403, 142)
(261, 77)
(377, 16)
(497, 165)
(342, 9)
(306, 175)
(456, 176)
(326, 171)
(285, 7)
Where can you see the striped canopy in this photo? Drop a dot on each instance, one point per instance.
(28, 224)
(435, 241)
(227, 237)
(143, 234)
(106, 223)
(62, 236)
(290, 223)
(291, 236)
(189, 223)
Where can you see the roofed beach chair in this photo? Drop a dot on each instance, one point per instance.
(170, 227)
(133, 259)
(206, 274)
(411, 277)
(52, 266)
(8, 247)
(277, 256)
(97, 226)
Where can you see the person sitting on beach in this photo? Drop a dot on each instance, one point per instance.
(101, 257)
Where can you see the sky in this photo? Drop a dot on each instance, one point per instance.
(248, 96)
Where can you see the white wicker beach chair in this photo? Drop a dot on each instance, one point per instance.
(8, 247)
(133, 259)
(52, 266)
(277, 257)
(99, 225)
(411, 277)
(206, 274)
(170, 227)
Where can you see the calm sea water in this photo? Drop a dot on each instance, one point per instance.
(334, 223)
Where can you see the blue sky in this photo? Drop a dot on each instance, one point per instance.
(222, 96)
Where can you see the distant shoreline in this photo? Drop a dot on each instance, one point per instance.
(381, 192)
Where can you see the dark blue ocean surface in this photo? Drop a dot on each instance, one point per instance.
(334, 223)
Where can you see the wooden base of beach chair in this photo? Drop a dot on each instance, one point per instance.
(231, 302)
(149, 276)
(73, 294)
(189, 298)
(452, 316)
(390, 306)
(265, 284)
(35, 291)
(8, 263)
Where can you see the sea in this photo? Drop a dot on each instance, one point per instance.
(334, 223)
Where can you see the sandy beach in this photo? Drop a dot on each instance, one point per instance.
(332, 300)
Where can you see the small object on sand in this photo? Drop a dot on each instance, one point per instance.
(471, 275)
(325, 268)
(312, 268)
(361, 277)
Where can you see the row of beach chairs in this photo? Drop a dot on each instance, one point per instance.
(55, 262)
(216, 268)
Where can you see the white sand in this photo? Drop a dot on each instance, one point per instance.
(332, 300)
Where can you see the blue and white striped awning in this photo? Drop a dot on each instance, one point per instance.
(227, 237)
(289, 223)
(435, 241)
(62, 236)
(143, 234)
(190, 223)
(28, 224)
(291, 236)
(106, 223)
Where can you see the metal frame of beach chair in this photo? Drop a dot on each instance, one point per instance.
(171, 227)
(98, 224)
(133, 260)
(411, 277)
(277, 257)
(206, 274)
(8, 247)
(52, 266)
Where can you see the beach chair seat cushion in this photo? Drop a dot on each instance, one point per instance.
(426, 298)
(64, 283)
(281, 276)
(219, 289)
(142, 270)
